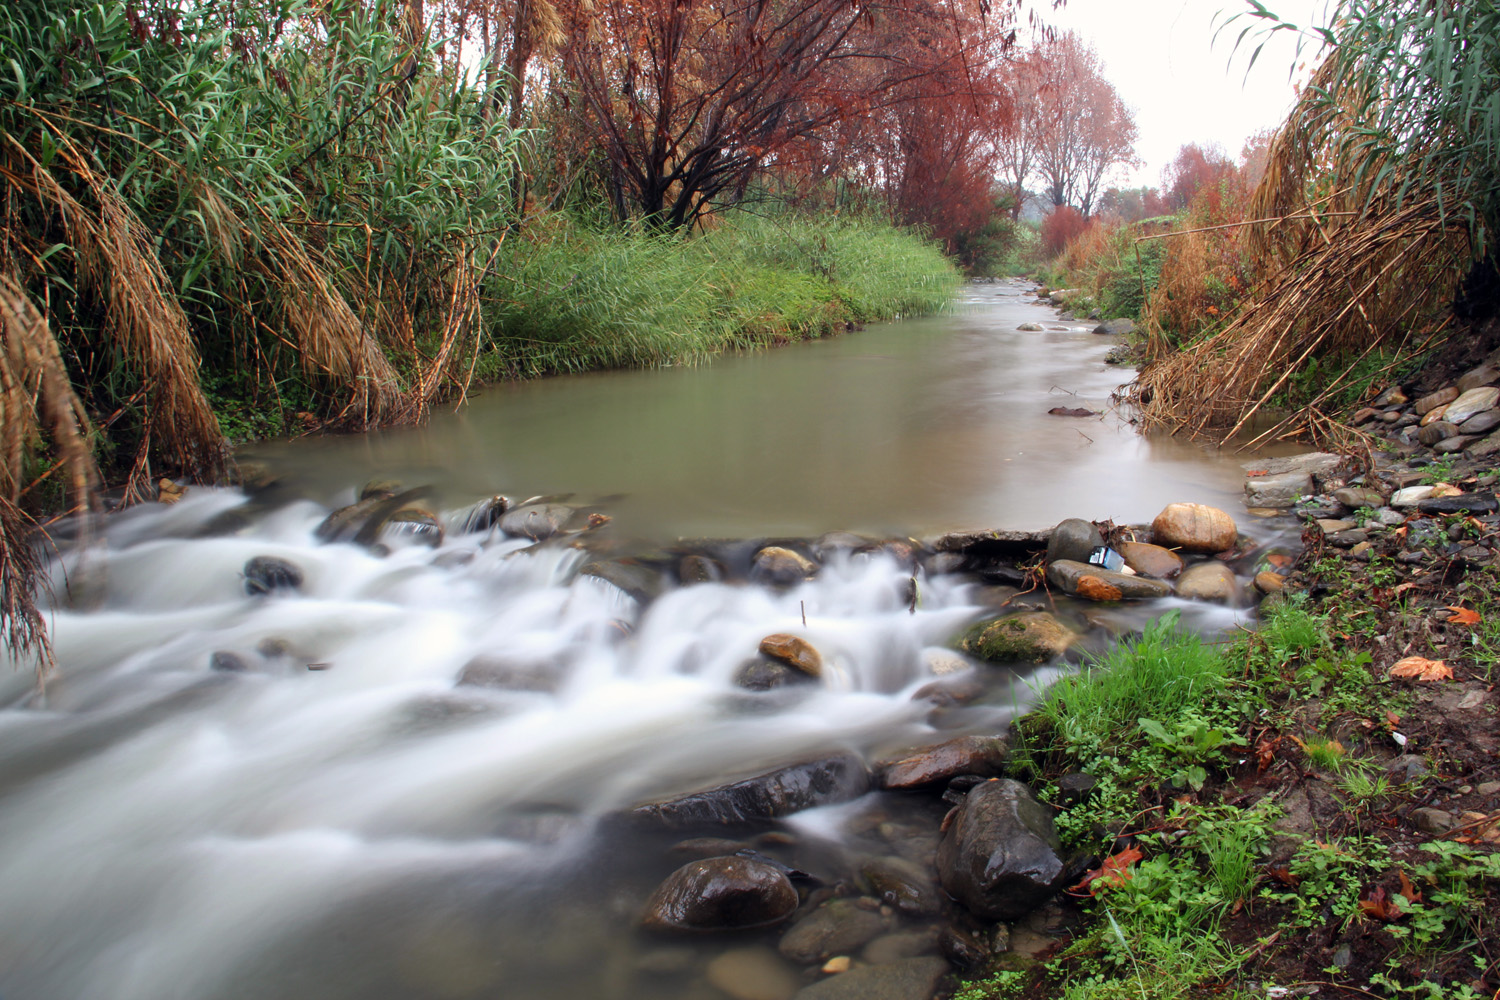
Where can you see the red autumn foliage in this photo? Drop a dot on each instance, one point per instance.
(1062, 227)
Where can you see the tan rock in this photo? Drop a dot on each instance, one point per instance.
(1209, 581)
(753, 974)
(1268, 582)
(1472, 402)
(1194, 527)
(1483, 375)
(1435, 399)
(1151, 560)
(794, 651)
(837, 964)
(1433, 415)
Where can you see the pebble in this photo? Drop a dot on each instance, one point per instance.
(1431, 820)
(837, 964)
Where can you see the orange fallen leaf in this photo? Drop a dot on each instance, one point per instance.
(1421, 669)
(1380, 906)
(1257, 472)
(1402, 588)
(1409, 891)
(1393, 719)
(1463, 616)
(1446, 490)
(1113, 872)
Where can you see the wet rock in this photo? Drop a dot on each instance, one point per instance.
(1332, 526)
(1000, 857)
(1348, 538)
(343, 524)
(1209, 581)
(1194, 527)
(942, 663)
(226, 662)
(836, 927)
(903, 944)
(936, 765)
(1073, 539)
(1314, 463)
(1076, 788)
(537, 521)
(1435, 399)
(1282, 490)
(1480, 423)
(1116, 327)
(1474, 401)
(1066, 575)
(1453, 445)
(840, 543)
(709, 847)
(268, 574)
(413, 525)
(781, 567)
(1433, 415)
(1411, 496)
(699, 569)
(957, 690)
(1485, 447)
(1355, 497)
(1472, 503)
(1436, 431)
(1406, 768)
(1430, 820)
(483, 516)
(1029, 327)
(769, 675)
(961, 948)
(794, 651)
(907, 979)
(1028, 637)
(1151, 560)
(902, 884)
(840, 778)
(752, 974)
(501, 673)
(715, 894)
(1268, 582)
(638, 581)
(1364, 415)
(1485, 374)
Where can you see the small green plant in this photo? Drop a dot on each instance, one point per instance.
(1439, 470)
(1191, 743)
(1330, 877)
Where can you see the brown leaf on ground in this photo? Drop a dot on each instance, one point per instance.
(1113, 872)
(1446, 490)
(1463, 616)
(1421, 669)
(1380, 906)
(1402, 588)
(1411, 893)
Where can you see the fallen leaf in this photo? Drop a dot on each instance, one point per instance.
(1402, 588)
(1284, 876)
(1392, 718)
(1113, 872)
(1258, 472)
(1421, 669)
(1265, 752)
(1411, 893)
(1462, 616)
(1380, 906)
(1446, 490)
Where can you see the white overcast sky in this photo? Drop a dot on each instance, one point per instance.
(1183, 87)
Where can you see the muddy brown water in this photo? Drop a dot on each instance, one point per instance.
(338, 818)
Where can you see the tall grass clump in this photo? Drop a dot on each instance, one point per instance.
(1152, 677)
(1380, 196)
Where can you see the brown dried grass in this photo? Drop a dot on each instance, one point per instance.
(1344, 269)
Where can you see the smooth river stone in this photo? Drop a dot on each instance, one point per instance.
(1209, 581)
(1481, 423)
(1066, 575)
(753, 974)
(794, 651)
(1194, 527)
(1435, 399)
(1151, 560)
(1472, 402)
(982, 755)
(721, 894)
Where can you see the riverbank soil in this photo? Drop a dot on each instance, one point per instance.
(1326, 822)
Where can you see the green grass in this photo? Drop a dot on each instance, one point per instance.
(567, 297)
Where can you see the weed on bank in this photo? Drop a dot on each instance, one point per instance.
(1241, 830)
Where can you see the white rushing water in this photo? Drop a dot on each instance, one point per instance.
(169, 830)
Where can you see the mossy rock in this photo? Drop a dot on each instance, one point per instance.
(1028, 637)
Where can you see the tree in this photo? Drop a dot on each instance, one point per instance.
(1084, 129)
(1195, 168)
(689, 99)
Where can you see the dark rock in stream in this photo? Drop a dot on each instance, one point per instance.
(1073, 539)
(716, 894)
(268, 574)
(700, 569)
(903, 884)
(786, 790)
(906, 979)
(537, 521)
(414, 525)
(769, 675)
(636, 580)
(837, 927)
(976, 755)
(1071, 577)
(1001, 856)
(484, 515)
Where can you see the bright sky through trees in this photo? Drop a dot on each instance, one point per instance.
(1162, 58)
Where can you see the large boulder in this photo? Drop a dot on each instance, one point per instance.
(1073, 539)
(1028, 637)
(840, 778)
(1194, 527)
(1151, 560)
(935, 765)
(1074, 578)
(837, 927)
(718, 894)
(1001, 857)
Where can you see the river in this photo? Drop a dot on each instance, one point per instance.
(224, 795)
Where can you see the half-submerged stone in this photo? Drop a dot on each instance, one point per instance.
(719, 894)
(1001, 857)
(840, 778)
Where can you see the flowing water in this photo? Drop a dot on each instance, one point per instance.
(232, 796)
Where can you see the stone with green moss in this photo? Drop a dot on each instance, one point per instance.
(1028, 637)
